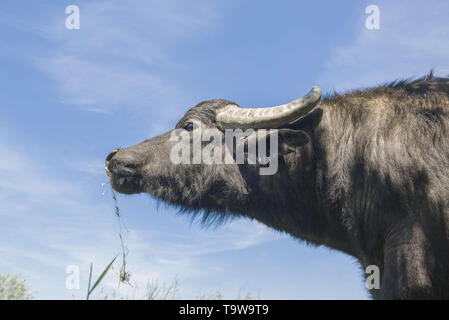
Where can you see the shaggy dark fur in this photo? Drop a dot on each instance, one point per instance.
(372, 182)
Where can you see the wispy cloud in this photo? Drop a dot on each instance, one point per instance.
(412, 39)
(153, 259)
(21, 179)
(121, 56)
(93, 167)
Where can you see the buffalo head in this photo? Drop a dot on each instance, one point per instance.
(223, 185)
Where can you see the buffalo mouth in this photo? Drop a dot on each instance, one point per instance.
(124, 182)
(123, 178)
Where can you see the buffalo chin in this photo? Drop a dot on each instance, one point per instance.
(125, 185)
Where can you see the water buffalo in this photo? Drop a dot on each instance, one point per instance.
(365, 172)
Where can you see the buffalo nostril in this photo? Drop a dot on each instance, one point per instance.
(111, 155)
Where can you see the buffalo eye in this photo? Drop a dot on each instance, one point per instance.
(188, 126)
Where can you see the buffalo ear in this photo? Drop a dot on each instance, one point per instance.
(290, 139)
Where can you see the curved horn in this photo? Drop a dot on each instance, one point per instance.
(232, 116)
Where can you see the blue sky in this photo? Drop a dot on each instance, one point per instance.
(130, 72)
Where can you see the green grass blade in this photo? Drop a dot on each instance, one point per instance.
(90, 279)
(101, 277)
